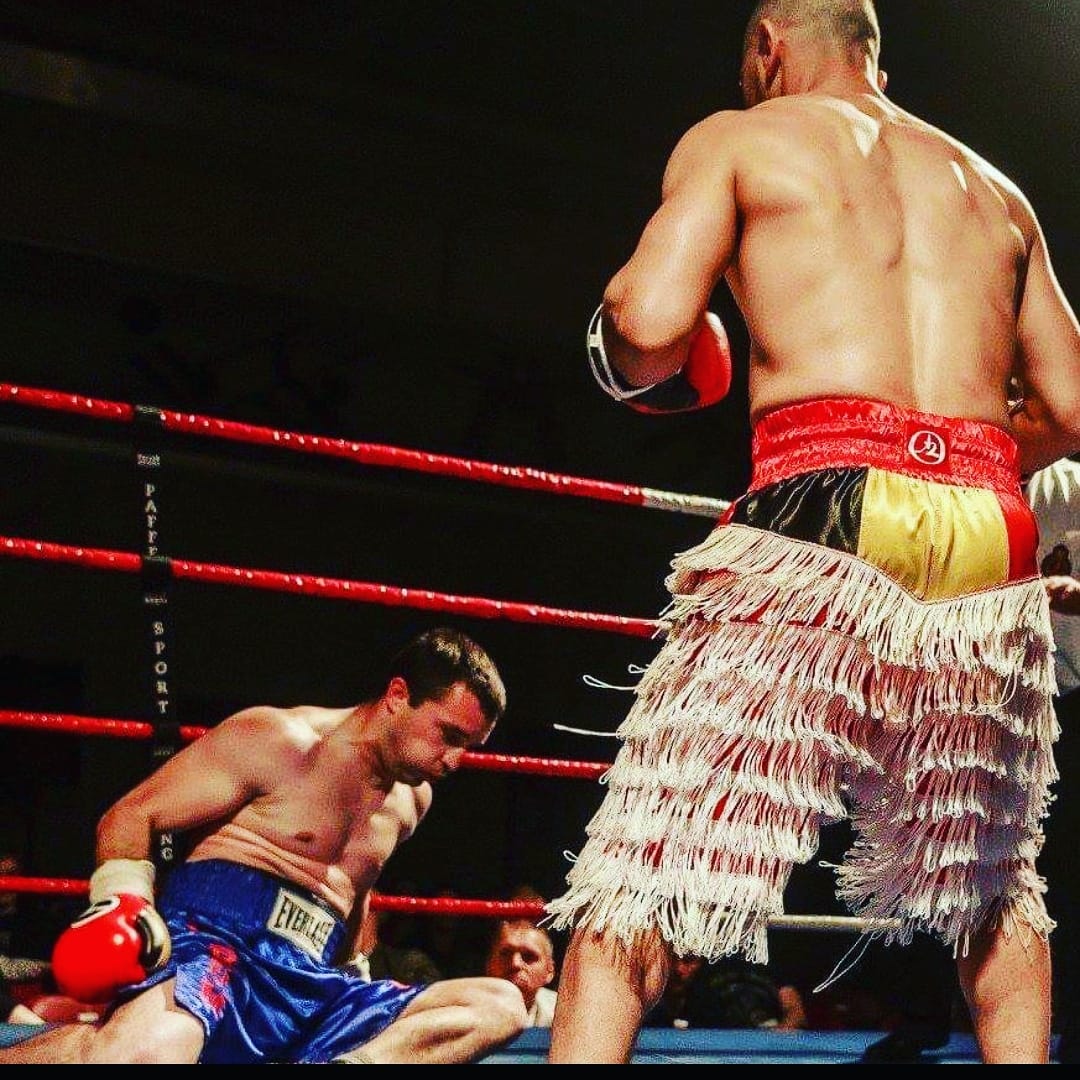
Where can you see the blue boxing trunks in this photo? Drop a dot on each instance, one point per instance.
(251, 955)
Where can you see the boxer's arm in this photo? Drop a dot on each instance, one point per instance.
(1047, 426)
(120, 938)
(361, 932)
(207, 781)
(656, 304)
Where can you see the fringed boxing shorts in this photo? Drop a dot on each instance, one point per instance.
(862, 636)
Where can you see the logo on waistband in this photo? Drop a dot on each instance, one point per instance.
(927, 447)
(302, 922)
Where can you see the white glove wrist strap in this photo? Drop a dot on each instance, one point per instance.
(609, 379)
(117, 876)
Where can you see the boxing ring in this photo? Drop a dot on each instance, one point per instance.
(167, 734)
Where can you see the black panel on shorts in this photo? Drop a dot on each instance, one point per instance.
(823, 507)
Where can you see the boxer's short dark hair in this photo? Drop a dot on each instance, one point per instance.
(435, 660)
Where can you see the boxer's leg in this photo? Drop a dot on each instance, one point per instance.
(149, 1030)
(1006, 981)
(453, 1022)
(598, 967)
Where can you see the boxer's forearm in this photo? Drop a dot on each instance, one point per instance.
(640, 362)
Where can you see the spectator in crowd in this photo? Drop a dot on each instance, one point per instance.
(523, 953)
(729, 994)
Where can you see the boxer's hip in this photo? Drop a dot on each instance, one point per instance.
(252, 903)
(935, 502)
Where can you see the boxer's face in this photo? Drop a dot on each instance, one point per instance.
(430, 739)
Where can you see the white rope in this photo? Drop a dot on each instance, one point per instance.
(826, 923)
(683, 504)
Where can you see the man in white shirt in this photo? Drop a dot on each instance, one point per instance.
(1054, 496)
(522, 953)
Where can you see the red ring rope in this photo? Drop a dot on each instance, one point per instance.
(363, 592)
(65, 723)
(490, 909)
(428, 905)
(69, 724)
(363, 453)
(370, 453)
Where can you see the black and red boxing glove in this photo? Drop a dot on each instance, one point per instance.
(117, 941)
(703, 380)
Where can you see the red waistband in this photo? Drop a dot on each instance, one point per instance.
(844, 433)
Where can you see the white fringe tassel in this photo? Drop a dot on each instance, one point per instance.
(798, 685)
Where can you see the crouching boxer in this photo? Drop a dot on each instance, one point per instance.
(236, 958)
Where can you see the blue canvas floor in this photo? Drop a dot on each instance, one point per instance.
(749, 1047)
(667, 1047)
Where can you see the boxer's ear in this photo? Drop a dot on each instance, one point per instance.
(397, 693)
(767, 41)
(882, 79)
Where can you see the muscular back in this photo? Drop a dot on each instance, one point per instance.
(875, 257)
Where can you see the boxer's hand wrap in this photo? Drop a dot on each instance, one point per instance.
(117, 941)
(114, 876)
(703, 380)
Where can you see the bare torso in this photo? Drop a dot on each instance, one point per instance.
(323, 821)
(876, 258)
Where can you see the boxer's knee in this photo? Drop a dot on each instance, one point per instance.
(643, 964)
(503, 1007)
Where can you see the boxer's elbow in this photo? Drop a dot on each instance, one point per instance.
(1047, 426)
(648, 321)
(649, 334)
(125, 828)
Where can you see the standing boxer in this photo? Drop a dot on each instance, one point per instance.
(864, 635)
(295, 811)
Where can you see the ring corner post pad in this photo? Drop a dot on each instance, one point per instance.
(156, 573)
(156, 576)
(166, 738)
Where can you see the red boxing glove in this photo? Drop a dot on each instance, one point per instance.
(703, 380)
(114, 943)
(708, 368)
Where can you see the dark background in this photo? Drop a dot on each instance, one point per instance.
(388, 222)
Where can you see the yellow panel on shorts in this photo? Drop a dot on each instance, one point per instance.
(936, 540)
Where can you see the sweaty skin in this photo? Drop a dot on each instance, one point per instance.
(319, 796)
(870, 254)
